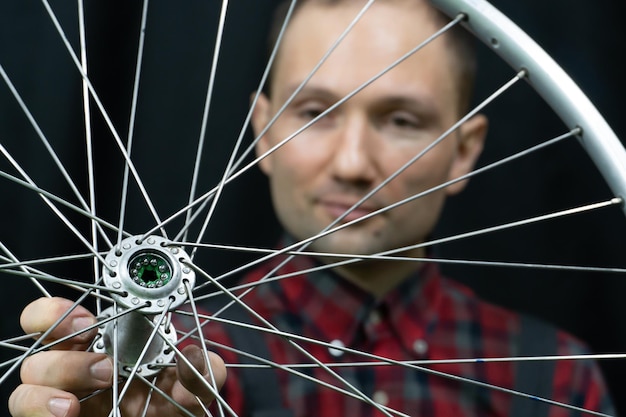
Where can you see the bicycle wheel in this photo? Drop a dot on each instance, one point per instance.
(600, 143)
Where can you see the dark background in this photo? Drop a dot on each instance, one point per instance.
(585, 37)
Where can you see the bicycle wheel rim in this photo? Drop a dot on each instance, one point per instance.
(610, 158)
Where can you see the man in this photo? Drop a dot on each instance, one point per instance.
(404, 311)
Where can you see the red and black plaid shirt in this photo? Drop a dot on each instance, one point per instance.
(427, 317)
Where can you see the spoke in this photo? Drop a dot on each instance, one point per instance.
(601, 356)
(237, 300)
(301, 245)
(54, 208)
(291, 368)
(50, 345)
(311, 74)
(232, 167)
(89, 145)
(328, 229)
(445, 184)
(58, 163)
(92, 395)
(116, 367)
(33, 274)
(12, 342)
(99, 323)
(211, 193)
(147, 344)
(149, 397)
(265, 363)
(359, 89)
(12, 258)
(246, 122)
(18, 361)
(387, 255)
(154, 388)
(577, 210)
(291, 336)
(46, 194)
(82, 286)
(195, 207)
(198, 375)
(102, 110)
(359, 258)
(131, 125)
(207, 108)
(42, 138)
(15, 263)
(205, 352)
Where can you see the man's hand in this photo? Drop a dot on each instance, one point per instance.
(53, 381)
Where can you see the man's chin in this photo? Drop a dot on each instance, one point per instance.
(345, 244)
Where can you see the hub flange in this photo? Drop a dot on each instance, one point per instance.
(148, 272)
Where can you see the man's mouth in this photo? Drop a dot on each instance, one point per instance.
(337, 209)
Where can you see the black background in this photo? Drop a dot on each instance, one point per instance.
(586, 38)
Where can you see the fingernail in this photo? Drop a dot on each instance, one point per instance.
(59, 406)
(196, 357)
(81, 323)
(102, 370)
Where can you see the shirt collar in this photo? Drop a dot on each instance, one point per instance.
(335, 309)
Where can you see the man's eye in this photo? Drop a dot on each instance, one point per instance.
(403, 121)
(310, 113)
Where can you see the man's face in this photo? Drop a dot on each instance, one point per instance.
(330, 166)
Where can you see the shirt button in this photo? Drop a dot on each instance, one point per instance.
(381, 397)
(336, 352)
(374, 317)
(420, 347)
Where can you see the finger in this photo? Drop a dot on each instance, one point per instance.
(190, 385)
(68, 370)
(37, 401)
(42, 314)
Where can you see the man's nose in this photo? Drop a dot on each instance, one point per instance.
(353, 159)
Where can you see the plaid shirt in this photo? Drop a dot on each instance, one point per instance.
(427, 317)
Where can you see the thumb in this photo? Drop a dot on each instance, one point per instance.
(214, 374)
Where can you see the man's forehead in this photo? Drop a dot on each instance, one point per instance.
(318, 33)
(334, 19)
(386, 32)
(423, 6)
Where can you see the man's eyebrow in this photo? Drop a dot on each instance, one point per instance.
(310, 90)
(421, 103)
(414, 102)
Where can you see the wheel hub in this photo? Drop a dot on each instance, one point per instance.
(148, 272)
(148, 275)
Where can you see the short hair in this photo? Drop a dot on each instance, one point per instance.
(462, 45)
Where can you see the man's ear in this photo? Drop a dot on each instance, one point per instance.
(471, 138)
(260, 119)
